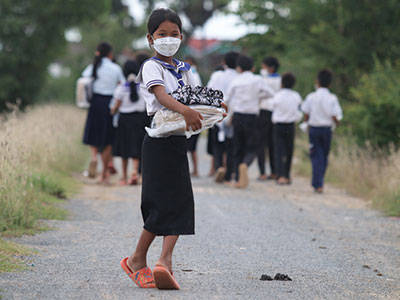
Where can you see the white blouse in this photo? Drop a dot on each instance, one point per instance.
(109, 74)
(123, 93)
(155, 72)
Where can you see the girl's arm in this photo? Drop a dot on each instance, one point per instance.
(116, 106)
(192, 117)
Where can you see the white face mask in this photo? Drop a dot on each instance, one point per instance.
(166, 46)
(264, 72)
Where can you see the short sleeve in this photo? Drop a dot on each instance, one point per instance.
(152, 74)
(213, 82)
(336, 109)
(121, 77)
(305, 107)
(88, 71)
(119, 92)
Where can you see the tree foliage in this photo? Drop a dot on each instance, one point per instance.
(32, 36)
(341, 35)
(376, 113)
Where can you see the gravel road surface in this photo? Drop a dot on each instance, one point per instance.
(333, 246)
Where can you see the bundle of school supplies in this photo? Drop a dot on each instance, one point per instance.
(167, 122)
(202, 95)
(205, 100)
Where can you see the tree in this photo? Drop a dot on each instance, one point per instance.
(32, 36)
(341, 35)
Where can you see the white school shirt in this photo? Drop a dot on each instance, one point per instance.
(274, 82)
(157, 73)
(123, 93)
(221, 80)
(245, 92)
(109, 74)
(196, 76)
(286, 106)
(321, 106)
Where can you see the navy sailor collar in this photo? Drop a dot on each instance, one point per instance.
(180, 65)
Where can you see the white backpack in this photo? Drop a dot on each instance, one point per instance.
(84, 92)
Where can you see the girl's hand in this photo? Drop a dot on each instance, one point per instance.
(192, 119)
(224, 106)
(113, 110)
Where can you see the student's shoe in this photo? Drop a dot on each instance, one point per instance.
(220, 175)
(243, 176)
(271, 177)
(143, 278)
(164, 279)
(112, 169)
(262, 178)
(319, 190)
(92, 172)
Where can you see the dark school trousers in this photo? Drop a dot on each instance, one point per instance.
(244, 140)
(283, 134)
(265, 141)
(221, 148)
(320, 144)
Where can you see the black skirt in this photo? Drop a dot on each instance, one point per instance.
(167, 196)
(99, 131)
(130, 134)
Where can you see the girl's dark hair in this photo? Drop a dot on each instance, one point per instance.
(141, 58)
(102, 50)
(132, 67)
(160, 15)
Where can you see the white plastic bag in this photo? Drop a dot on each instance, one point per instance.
(167, 122)
(84, 92)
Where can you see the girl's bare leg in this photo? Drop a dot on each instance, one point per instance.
(125, 169)
(138, 260)
(93, 151)
(135, 167)
(105, 157)
(167, 249)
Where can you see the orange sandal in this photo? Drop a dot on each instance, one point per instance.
(164, 279)
(143, 278)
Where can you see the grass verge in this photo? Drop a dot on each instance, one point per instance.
(40, 148)
(360, 171)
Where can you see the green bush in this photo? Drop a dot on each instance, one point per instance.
(375, 118)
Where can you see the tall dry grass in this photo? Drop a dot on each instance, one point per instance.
(361, 171)
(38, 150)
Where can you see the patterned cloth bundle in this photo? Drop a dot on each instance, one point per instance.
(201, 95)
(205, 100)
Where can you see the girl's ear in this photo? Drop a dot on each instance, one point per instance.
(181, 36)
(150, 38)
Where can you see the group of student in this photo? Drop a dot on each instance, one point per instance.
(117, 115)
(167, 201)
(263, 112)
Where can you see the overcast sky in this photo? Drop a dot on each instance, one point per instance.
(220, 26)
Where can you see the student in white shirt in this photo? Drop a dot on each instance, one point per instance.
(223, 132)
(99, 131)
(132, 121)
(269, 71)
(192, 141)
(322, 110)
(286, 112)
(243, 99)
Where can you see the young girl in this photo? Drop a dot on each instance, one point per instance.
(132, 120)
(99, 132)
(167, 197)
